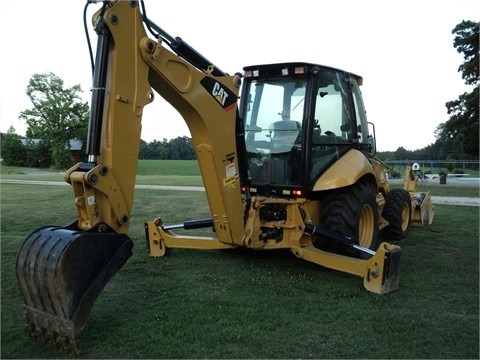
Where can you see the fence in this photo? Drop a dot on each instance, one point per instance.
(466, 167)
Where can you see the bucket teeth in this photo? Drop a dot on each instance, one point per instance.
(55, 340)
(61, 272)
(64, 344)
(55, 332)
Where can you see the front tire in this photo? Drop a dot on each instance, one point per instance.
(398, 212)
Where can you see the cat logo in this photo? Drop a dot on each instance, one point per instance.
(220, 94)
(226, 98)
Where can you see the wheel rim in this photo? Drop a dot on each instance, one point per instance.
(366, 227)
(405, 216)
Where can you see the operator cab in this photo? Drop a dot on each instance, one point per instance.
(299, 118)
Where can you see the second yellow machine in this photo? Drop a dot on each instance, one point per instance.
(291, 165)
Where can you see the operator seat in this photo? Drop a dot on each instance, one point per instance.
(285, 152)
(285, 133)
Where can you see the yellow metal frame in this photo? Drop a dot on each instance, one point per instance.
(104, 194)
(294, 238)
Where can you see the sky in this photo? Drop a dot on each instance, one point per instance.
(402, 49)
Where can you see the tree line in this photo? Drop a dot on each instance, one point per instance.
(180, 148)
(25, 152)
(58, 115)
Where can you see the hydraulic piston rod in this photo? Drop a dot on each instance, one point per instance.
(311, 229)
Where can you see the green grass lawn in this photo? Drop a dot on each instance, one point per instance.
(247, 304)
(187, 173)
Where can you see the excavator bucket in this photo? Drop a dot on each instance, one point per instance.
(61, 271)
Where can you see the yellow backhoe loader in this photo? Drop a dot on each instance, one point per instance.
(286, 155)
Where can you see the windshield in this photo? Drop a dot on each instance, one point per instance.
(273, 127)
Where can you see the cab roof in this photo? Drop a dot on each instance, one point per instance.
(275, 69)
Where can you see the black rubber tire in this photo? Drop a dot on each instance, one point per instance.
(352, 212)
(398, 212)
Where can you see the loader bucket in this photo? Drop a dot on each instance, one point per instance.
(61, 272)
(423, 209)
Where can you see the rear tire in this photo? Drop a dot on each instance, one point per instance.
(351, 212)
(398, 212)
